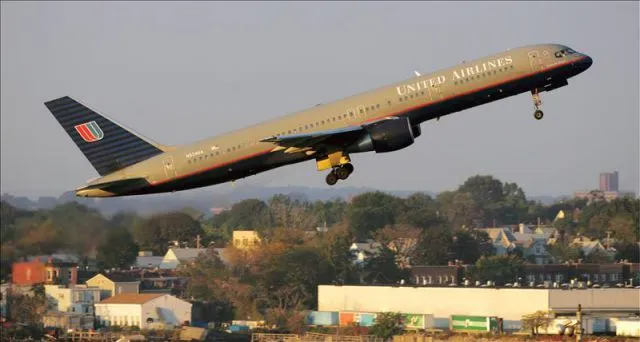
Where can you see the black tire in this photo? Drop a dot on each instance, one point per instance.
(331, 179)
(349, 167)
(538, 114)
(342, 173)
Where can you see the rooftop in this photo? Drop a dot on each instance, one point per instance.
(131, 298)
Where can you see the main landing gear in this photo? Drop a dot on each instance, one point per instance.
(538, 114)
(339, 172)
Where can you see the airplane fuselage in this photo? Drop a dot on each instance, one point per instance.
(240, 153)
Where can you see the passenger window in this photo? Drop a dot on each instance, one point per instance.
(361, 111)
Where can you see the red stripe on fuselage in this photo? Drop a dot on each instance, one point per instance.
(381, 116)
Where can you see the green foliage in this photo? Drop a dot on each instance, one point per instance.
(28, 308)
(561, 253)
(118, 249)
(469, 246)
(157, 232)
(434, 247)
(498, 269)
(382, 269)
(371, 211)
(387, 325)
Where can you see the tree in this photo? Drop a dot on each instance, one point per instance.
(418, 210)
(434, 247)
(156, 232)
(499, 269)
(371, 211)
(118, 250)
(469, 246)
(382, 268)
(402, 240)
(537, 320)
(334, 247)
(459, 208)
(387, 325)
(561, 253)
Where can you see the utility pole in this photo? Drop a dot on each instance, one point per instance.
(198, 241)
(579, 324)
(608, 239)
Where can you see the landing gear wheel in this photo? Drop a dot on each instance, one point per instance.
(538, 114)
(342, 172)
(349, 167)
(332, 179)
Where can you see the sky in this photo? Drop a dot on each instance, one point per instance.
(180, 72)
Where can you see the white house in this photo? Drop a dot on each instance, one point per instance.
(144, 310)
(78, 298)
(363, 250)
(179, 256)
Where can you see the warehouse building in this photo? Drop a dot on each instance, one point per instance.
(510, 304)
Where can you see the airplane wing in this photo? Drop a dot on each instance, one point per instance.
(313, 141)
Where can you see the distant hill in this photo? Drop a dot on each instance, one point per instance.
(200, 199)
(207, 198)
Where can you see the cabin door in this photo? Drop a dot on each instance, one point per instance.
(535, 60)
(435, 92)
(169, 168)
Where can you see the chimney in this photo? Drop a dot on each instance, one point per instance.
(74, 276)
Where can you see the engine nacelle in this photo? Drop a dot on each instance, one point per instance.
(386, 136)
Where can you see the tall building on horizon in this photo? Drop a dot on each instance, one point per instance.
(609, 181)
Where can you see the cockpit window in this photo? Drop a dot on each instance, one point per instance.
(564, 52)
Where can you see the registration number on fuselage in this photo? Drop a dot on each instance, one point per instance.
(194, 154)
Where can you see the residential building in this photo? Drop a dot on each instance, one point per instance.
(146, 259)
(503, 240)
(77, 298)
(144, 310)
(111, 284)
(245, 238)
(180, 256)
(44, 270)
(588, 247)
(534, 275)
(68, 320)
(363, 250)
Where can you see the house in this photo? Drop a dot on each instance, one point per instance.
(144, 310)
(111, 284)
(588, 247)
(504, 242)
(77, 298)
(363, 250)
(146, 259)
(44, 270)
(245, 238)
(180, 256)
(167, 285)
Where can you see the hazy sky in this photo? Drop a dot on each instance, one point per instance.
(180, 72)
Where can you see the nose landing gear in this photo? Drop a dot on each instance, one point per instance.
(339, 172)
(538, 114)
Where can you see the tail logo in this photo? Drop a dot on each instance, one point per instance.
(90, 131)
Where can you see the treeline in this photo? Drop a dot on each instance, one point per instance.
(438, 224)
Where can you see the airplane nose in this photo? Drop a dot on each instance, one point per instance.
(583, 64)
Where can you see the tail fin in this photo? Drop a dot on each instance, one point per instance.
(108, 146)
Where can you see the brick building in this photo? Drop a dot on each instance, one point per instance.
(42, 270)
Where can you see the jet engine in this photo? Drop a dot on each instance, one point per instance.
(386, 136)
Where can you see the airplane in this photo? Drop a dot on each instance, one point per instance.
(380, 120)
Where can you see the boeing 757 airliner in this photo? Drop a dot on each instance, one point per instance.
(385, 119)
